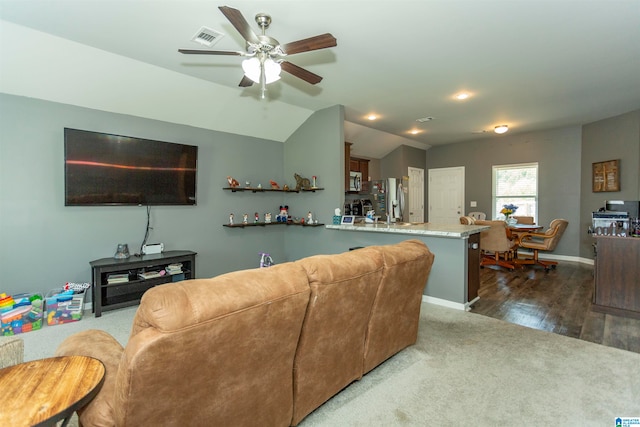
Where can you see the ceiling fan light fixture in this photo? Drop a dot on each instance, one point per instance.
(501, 129)
(251, 68)
(272, 70)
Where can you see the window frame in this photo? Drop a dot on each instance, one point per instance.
(536, 197)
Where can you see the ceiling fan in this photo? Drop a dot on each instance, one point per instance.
(266, 54)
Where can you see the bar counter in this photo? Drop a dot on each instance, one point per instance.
(453, 231)
(455, 275)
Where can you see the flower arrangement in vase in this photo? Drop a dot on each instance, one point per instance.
(507, 211)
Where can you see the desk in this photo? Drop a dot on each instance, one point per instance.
(45, 391)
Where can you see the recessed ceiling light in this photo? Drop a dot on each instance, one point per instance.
(462, 96)
(415, 131)
(372, 117)
(501, 129)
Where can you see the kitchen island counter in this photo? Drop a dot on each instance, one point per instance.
(455, 276)
(453, 231)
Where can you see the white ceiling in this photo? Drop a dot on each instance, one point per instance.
(531, 64)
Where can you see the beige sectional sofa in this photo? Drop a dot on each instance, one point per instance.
(258, 347)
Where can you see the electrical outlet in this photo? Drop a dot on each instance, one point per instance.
(474, 204)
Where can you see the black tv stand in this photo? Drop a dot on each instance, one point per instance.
(120, 283)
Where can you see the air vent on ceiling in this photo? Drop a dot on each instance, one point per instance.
(207, 37)
(424, 119)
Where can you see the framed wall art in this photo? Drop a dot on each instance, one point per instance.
(606, 176)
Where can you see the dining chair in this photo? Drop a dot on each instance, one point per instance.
(546, 241)
(524, 219)
(478, 215)
(497, 248)
(467, 220)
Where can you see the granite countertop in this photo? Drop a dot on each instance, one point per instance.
(454, 231)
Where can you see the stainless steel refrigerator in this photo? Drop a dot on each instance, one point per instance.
(390, 198)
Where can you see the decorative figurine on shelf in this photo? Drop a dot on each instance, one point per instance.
(313, 181)
(302, 183)
(256, 218)
(284, 213)
(245, 218)
(274, 185)
(309, 218)
(259, 185)
(230, 219)
(267, 218)
(247, 184)
(285, 187)
(233, 183)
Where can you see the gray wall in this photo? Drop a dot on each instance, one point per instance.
(44, 244)
(316, 148)
(614, 138)
(558, 153)
(565, 157)
(396, 163)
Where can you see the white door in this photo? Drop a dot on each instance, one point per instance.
(446, 195)
(416, 194)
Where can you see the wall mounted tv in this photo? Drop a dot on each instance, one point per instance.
(104, 169)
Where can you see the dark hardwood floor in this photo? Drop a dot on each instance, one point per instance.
(557, 301)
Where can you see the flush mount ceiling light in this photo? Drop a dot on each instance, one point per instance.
(501, 129)
(415, 131)
(372, 117)
(462, 96)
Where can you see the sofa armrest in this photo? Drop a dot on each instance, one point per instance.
(102, 346)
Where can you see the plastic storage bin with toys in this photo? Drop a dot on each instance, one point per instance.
(21, 313)
(65, 305)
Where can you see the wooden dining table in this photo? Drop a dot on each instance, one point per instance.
(46, 391)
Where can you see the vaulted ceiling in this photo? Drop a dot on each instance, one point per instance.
(529, 64)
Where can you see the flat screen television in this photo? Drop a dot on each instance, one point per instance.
(104, 169)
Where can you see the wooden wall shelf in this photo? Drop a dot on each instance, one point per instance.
(262, 190)
(263, 224)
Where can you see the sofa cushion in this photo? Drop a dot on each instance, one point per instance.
(396, 310)
(226, 344)
(331, 348)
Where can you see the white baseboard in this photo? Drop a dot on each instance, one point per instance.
(443, 302)
(554, 257)
(468, 305)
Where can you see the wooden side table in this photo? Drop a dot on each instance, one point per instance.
(43, 392)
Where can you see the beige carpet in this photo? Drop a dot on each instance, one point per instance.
(466, 369)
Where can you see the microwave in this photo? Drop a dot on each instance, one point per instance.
(355, 181)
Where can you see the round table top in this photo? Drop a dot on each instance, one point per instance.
(41, 392)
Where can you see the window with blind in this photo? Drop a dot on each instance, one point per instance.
(517, 185)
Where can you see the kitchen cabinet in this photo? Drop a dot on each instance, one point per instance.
(617, 276)
(360, 165)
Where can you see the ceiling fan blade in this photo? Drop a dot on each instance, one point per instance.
(300, 72)
(312, 43)
(237, 20)
(211, 52)
(245, 82)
